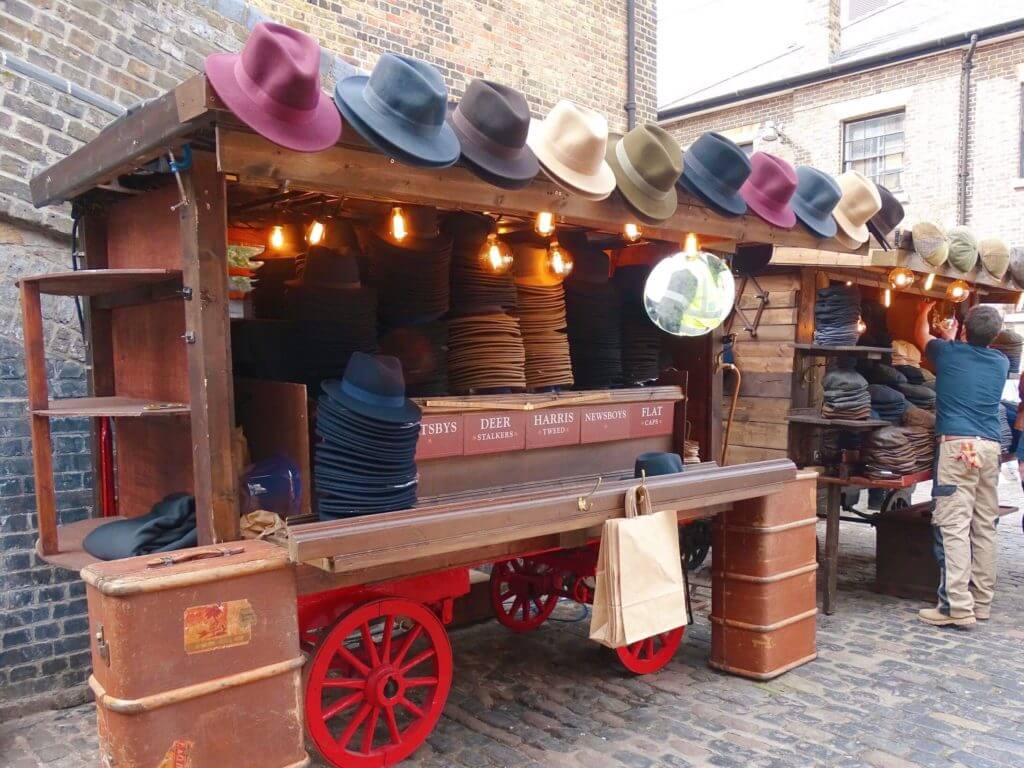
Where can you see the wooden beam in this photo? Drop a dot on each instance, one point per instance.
(208, 338)
(818, 257)
(977, 276)
(356, 171)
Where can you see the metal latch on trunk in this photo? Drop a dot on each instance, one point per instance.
(101, 646)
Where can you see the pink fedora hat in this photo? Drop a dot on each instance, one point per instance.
(273, 86)
(770, 188)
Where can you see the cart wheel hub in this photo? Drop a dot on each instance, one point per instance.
(384, 687)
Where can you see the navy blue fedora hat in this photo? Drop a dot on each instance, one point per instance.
(373, 386)
(816, 196)
(714, 169)
(400, 109)
(657, 463)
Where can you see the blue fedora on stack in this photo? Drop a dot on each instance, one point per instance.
(714, 169)
(817, 195)
(365, 460)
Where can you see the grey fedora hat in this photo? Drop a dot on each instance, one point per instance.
(817, 195)
(400, 109)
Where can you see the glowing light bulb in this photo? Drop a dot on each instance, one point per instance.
(315, 233)
(399, 226)
(632, 231)
(691, 246)
(545, 223)
(559, 260)
(277, 237)
(495, 256)
(887, 300)
(957, 291)
(929, 281)
(849, 283)
(901, 278)
(861, 326)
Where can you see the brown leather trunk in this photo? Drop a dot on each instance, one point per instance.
(196, 659)
(763, 583)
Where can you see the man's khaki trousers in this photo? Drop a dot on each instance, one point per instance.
(966, 510)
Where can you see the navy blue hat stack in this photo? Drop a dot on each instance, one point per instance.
(594, 320)
(365, 460)
(641, 339)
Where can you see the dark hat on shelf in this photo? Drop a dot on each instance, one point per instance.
(373, 386)
(273, 86)
(647, 162)
(400, 109)
(714, 169)
(887, 219)
(817, 195)
(329, 270)
(657, 463)
(769, 189)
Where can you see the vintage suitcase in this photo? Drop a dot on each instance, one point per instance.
(763, 583)
(196, 660)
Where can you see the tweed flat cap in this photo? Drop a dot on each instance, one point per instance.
(963, 249)
(930, 242)
(995, 256)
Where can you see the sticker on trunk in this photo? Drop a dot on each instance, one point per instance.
(178, 756)
(218, 625)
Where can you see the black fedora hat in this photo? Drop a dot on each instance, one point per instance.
(887, 219)
(373, 386)
(492, 122)
(714, 169)
(328, 269)
(400, 109)
(657, 463)
(817, 194)
(590, 265)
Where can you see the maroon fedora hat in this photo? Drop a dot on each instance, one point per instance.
(273, 86)
(769, 189)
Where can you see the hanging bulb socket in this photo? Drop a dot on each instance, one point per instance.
(559, 260)
(545, 223)
(632, 231)
(958, 291)
(276, 239)
(887, 297)
(929, 281)
(398, 225)
(495, 256)
(901, 278)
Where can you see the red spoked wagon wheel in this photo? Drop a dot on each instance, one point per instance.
(651, 654)
(377, 683)
(522, 594)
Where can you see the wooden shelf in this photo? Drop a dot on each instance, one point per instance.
(812, 416)
(98, 282)
(871, 353)
(896, 484)
(70, 554)
(110, 406)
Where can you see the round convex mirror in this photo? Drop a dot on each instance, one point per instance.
(689, 295)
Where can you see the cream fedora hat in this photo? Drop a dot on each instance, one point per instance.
(860, 201)
(570, 144)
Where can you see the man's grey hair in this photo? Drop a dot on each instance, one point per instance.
(983, 324)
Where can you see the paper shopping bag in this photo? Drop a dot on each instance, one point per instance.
(639, 590)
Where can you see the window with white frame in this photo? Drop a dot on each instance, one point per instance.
(874, 147)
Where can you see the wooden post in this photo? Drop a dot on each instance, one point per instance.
(208, 336)
(835, 493)
(38, 399)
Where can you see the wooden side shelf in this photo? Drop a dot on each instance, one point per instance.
(109, 406)
(97, 282)
(896, 484)
(69, 552)
(812, 416)
(871, 353)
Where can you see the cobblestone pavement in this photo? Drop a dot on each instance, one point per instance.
(886, 692)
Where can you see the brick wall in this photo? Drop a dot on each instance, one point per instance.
(127, 51)
(929, 91)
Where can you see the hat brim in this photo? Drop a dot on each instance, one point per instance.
(403, 414)
(322, 130)
(393, 138)
(653, 209)
(783, 217)
(694, 182)
(822, 226)
(593, 186)
(852, 232)
(847, 241)
(514, 172)
(882, 239)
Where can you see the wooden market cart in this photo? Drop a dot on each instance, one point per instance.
(153, 282)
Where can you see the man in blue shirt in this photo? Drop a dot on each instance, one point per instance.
(969, 379)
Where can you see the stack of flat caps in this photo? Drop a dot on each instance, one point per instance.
(995, 256)
(905, 353)
(423, 352)
(887, 403)
(845, 395)
(472, 285)
(411, 277)
(963, 249)
(594, 320)
(919, 425)
(887, 453)
(836, 313)
(641, 339)
(334, 314)
(365, 460)
(880, 373)
(1009, 343)
(542, 319)
(485, 353)
(912, 373)
(918, 395)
